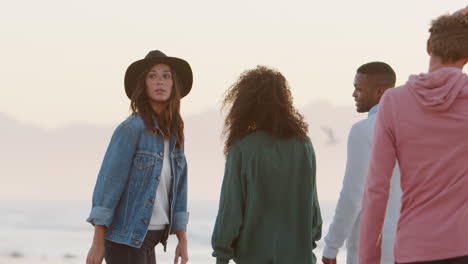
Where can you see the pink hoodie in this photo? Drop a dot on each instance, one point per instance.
(424, 125)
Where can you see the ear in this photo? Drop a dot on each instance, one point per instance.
(380, 91)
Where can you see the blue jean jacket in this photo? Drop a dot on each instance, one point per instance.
(128, 179)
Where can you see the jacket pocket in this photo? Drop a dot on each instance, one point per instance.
(179, 158)
(142, 168)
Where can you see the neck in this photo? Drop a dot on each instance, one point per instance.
(436, 63)
(158, 107)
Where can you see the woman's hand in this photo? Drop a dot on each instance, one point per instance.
(95, 254)
(182, 248)
(97, 250)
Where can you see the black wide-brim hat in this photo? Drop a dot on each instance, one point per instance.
(180, 66)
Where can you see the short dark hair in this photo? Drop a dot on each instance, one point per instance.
(380, 74)
(449, 37)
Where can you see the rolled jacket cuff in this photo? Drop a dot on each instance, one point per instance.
(180, 222)
(100, 216)
(329, 252)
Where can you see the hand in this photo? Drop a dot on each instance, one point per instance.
(181, 252)
(95, 254)
(328, 261)
(97, 250)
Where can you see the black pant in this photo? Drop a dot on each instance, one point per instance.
(458, 260)
(123, 254)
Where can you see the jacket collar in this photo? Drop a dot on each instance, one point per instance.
(373, 110)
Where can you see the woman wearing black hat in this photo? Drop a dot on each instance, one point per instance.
(140, 196)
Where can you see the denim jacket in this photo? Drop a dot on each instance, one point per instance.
(127, 182)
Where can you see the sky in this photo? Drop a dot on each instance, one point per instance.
(63, 62)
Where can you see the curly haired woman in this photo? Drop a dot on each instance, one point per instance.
(269, 211)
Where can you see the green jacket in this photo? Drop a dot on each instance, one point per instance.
(269, 211)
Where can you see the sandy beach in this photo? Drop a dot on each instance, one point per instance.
(34, 233)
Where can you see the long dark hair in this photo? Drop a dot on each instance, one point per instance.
(261, 100)
(169, 120)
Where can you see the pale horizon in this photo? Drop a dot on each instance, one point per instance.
(63, 163)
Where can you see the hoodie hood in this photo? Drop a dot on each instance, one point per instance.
(439, 89)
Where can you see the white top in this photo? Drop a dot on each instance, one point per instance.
(346, 223)
(160, 216)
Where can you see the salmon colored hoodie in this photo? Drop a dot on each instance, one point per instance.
(424, 125)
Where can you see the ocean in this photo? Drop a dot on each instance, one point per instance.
(56, 232)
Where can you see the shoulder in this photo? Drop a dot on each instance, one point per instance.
(250, 143)
(262, 141)
(132, 126)
(362, 126)
(361, 131)
(392, 95)
(307, 143)
(393, 103)
(134, 123)
(254, 138)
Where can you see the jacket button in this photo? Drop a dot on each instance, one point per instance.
(137, 242)
(140, 164)
(151, 200)
(159, 178)
(146, 222)
(161, 154)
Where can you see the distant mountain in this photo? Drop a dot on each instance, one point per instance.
(63, 164)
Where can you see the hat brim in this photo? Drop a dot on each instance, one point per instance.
(180, 66)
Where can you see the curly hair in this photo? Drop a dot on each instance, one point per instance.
(261, 100)
(170, 120)
(449, 37)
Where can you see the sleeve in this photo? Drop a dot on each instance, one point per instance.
(231, 209)
(181, 216)
(349, 203)
(317, 216)
(113, 175)
(377, 187)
